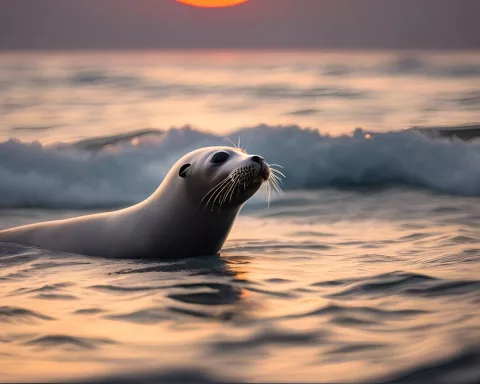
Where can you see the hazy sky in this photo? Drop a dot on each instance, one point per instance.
(125, 24)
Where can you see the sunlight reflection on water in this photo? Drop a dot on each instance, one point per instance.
(339, 297)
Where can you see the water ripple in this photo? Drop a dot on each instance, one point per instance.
(17, 314)
(65, 341)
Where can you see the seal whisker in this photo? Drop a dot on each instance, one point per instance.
(219, 193)
(248, 144)
(265, 192)
(230, 141)
(215, 197)
(277, 176)
(230, 187)
(269, 193)
(277, 190)
(277, 172)
(212, 191)
(222, 195)
(233, 189)
(277, 180)
(277, 187)
(227, 190)
(218, 185)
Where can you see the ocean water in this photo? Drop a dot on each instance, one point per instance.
(64, 97)
(366, 270)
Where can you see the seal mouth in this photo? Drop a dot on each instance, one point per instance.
(252, 176)
(264, 172)
(247, 177)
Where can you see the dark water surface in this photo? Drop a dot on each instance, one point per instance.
(369, 285)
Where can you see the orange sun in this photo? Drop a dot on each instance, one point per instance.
(212, 3)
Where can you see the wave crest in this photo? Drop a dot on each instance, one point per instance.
(125, 169)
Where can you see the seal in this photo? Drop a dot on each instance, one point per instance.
(190, 214)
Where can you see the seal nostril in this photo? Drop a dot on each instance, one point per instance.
(257, 159)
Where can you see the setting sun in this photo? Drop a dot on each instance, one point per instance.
(212, 3)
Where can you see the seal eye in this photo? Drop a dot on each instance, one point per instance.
(220, 157)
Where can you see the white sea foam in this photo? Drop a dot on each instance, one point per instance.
(123, 170)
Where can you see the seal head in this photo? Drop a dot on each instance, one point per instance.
(222, 177)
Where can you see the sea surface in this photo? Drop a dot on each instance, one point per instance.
(366, 269)
(53, 97)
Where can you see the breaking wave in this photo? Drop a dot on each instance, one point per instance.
(124, 169)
